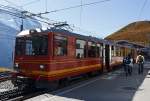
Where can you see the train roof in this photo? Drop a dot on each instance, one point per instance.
(67, 33)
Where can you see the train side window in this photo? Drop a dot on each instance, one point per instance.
(37, 45)
(112, 51)
(80, 49)
(92, 49)
(34, 45)
(117, 51)
(99, 50)
(60, 45)
(20, 46)
(28, 49)
(121, 51)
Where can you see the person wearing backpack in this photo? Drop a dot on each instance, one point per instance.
(128, 65)
(140, 62)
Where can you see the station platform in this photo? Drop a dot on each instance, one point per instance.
(112, 86)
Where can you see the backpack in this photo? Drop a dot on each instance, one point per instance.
(128, 61)
(140, 59)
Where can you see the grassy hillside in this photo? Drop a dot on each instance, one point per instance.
(135, 32)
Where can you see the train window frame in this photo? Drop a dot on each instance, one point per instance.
(20, 46)
(29, 46)
(121, 51)
(83, 54)
(92, 53)
(117, 51)
(44, 50)
(112, 50)
(61, 53)
(100, 50)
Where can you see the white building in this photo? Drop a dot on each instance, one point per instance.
(9, 27)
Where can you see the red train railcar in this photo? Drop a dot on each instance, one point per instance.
(53, 54)
(58, 54)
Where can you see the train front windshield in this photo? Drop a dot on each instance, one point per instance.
(33, 45)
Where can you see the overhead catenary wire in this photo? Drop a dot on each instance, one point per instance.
(76, 6)
(19, 11)
(81, 5)
(13, 4)
(81, 10)
(89, 33)
(12, 13)
(140, 13)
(142, 8)
(19, 16)
(8, 8)
(26, 16)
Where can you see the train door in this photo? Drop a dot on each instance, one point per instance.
(102, 56)
(107, 57)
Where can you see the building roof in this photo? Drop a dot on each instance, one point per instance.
(131, 44)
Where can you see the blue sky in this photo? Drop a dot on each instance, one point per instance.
(101, 19)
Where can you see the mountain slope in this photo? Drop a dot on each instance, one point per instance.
(135, 32)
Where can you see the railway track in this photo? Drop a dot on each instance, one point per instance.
(8, 89)
(5, 95)
(18, 92)
(23, 92)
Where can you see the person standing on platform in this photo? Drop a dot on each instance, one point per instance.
(140, 61)
(130, 64)
(127, 61)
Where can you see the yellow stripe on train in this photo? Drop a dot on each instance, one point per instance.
(62, 72)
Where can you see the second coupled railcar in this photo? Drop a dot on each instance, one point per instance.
(59, 54)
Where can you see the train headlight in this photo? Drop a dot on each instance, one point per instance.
(42, 67)
(16, 65)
